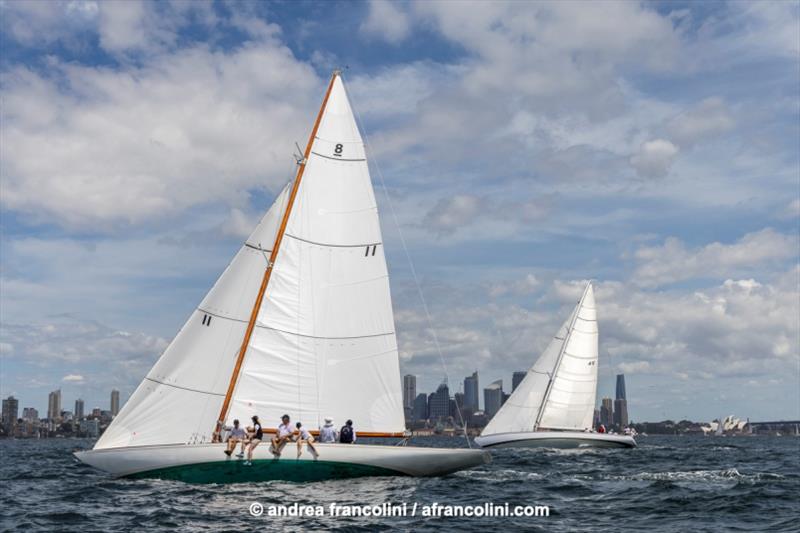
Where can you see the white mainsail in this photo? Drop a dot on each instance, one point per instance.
(560, 388)
(323, 342)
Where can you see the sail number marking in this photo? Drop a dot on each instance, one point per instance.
(337, 151)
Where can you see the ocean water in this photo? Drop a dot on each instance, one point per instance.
(666, 484)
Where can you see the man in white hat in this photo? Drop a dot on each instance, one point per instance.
(328, 433)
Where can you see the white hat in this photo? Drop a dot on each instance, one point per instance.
(328, 420)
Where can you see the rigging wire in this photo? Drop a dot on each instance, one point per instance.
(428, 317)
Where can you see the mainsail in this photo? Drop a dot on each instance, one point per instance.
(560, 388)
(323, 341)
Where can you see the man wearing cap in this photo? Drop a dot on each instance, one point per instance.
(283, 435)
(328, 433)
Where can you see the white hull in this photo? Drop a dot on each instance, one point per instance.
(555, 439)
(206, 463)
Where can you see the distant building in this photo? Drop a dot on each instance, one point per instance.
(96, 413)
(114, 402)
(607, 412)
(471, 389)
(439, 403)
(10, 413)
(516, 379)
(621, 412)
(78, 409)
(621, 387)
(420, 411)
(54, 405)
(596, 418)
(459, 398)
(90, 427)
(493, 398)
(409, 390)
(30, 414)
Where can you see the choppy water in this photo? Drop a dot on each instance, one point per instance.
(667, 484)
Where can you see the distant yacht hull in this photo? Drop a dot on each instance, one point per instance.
(206, 463)
(555, 439)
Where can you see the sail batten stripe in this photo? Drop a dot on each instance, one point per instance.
(337, 158)
(328, 245)
(320, 337)
(183, 388)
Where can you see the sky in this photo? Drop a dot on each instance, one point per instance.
(525, 148)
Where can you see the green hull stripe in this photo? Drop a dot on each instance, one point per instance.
(234, 471)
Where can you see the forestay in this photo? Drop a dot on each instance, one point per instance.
(324, 342)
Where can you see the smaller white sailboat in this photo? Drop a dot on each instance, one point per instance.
(553, 407)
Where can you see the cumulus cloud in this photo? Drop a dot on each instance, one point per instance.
(737, 329)
(386, 21)
(709, 118)
(87, 145)
(454, 212)
(524, 286)
(450, 213)
(673, 261)
(654, 158)
(72, 378)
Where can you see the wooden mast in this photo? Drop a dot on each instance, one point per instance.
(267, 273)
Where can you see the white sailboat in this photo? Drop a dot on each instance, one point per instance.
(553, 407)
(300, 322)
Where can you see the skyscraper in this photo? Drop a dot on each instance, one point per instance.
(114, 402)
(54, 405)
(621, 387)
(30, 414)
(439, 404)
(421, 407)
(607, 412)
(621, 412)
(78, 409)
(409, 390)
(621, 403)
(471, 389)
(516, 379)
(10, 413)
(493, 398)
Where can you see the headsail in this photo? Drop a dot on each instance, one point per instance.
(559, 390)
(323, 342)
(179, 400)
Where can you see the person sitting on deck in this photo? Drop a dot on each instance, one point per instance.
(284, 435)
(256, 434)
(304, 436)
(601, 429)
(347, 435)
(328, 433)
(237, 435)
